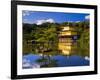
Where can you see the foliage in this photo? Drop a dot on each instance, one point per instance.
(44, 38)
(83, 41)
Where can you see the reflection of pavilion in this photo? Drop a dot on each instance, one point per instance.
(68, 40)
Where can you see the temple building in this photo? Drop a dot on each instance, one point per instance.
(68, 40)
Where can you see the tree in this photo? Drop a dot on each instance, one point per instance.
(83, 41)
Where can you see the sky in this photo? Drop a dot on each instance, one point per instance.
(52, 17)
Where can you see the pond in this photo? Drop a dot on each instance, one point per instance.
(38, 61)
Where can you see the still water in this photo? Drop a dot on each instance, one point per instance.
(36, 61)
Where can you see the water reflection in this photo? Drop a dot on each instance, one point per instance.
(40, 55)
(38, 61)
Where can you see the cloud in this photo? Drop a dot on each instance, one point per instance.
(39, 22)
(26, 13)
(87, 17)
(50, 20)
(78, 21)
(27, 21)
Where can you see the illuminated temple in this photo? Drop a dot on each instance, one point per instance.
(67, 40)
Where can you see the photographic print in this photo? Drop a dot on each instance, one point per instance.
(53, 39)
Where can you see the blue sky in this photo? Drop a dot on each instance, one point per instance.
(52, 17)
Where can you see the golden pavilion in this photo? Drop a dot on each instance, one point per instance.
(67, 40)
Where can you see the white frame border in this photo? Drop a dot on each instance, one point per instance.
(57, 69)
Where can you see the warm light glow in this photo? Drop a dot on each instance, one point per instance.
(66, 44)
(67, 33)
(67, 28)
